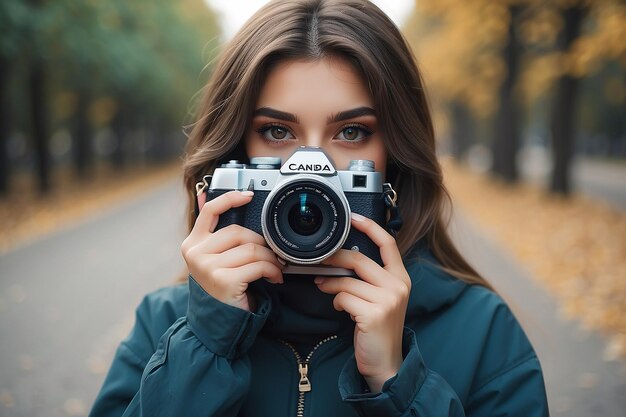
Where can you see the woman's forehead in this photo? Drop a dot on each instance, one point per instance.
(330, 84)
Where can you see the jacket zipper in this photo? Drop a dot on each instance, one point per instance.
(303, 368)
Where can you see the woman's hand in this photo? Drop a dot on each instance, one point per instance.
(377, 302)
(226, 261)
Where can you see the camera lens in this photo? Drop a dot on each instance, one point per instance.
(305, 218)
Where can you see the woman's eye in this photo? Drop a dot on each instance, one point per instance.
(275, 132)
(278, 132)
(353, 133)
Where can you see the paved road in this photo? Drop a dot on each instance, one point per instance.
(598, 179)
(67, 300)
(602, 180)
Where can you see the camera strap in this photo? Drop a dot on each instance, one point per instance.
(201, 188)
(395, 219)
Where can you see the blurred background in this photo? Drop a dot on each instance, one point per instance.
(529, 102)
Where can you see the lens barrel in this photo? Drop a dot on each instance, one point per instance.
(305, 220)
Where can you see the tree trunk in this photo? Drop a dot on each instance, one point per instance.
(5, 127)
(120, 129)
(37, 91)
(462, 130)
(40, 127)
(506, 140)
(615, 127)
(564, 107)
(83, 153)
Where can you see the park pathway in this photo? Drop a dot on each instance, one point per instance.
(598, 179)
(67, 300)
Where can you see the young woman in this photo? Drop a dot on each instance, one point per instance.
(420, 335)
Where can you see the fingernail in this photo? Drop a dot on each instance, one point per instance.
(247, 193)
(281, 261)
(318, 280)
(357, 217)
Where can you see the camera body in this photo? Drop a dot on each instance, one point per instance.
(303, 207)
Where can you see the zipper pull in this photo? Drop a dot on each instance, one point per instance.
(305, 384)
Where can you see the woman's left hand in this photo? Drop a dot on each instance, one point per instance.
(376, 303)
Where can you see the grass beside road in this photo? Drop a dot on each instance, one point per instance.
(575, 247)
(25, 215)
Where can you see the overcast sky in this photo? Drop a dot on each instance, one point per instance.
(236, 12)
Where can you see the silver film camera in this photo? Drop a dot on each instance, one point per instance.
(303, 206)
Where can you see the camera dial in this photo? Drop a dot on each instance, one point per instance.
(265, 162)
(363, 165)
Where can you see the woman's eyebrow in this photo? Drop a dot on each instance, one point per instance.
(276, 114)
(350, 114)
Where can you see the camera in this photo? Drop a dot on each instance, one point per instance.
(303, 207)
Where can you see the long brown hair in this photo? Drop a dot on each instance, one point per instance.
(360, 32)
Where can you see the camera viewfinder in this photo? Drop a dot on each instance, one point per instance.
(359, 181)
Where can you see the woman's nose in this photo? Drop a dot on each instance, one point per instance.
(313, 139)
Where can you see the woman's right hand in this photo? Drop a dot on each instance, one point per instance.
(225, 262)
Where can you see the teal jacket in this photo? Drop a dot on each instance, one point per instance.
(189, 354)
